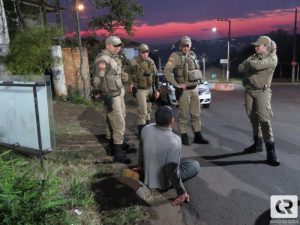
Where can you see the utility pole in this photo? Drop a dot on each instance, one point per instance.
(78, 7)
(228, 45)
(294, 61)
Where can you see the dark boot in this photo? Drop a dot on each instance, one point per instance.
(271, 155)
(125, 144)
(185, 139)
(199, 139)
(256, 147)
(110, 148)
(140, 127)
(119, 155)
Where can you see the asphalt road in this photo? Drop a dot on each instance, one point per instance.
(234, 188)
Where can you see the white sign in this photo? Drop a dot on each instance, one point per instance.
(223, 61)
(284, 206)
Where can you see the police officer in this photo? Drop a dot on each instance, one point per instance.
(144, 78)
(258, 72)
(107, 84)
(183, 72)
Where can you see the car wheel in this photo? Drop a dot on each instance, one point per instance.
(206, 106)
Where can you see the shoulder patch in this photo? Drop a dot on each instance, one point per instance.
(102, 65)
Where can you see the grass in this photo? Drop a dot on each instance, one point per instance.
(82, 171)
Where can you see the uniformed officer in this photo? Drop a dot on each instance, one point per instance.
(258, 72)
(144, 78)
(107, 84)
(183, 72)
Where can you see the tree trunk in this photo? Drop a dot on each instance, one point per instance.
(4, 37)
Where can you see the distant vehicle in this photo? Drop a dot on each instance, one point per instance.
(167, 92)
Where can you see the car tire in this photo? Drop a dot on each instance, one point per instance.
(206, 106)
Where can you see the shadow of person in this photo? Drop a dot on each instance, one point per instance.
(238, 162)
(116, 192)
(222, 156)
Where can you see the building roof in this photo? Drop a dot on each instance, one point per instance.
(40, 3)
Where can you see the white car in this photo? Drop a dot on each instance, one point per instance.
(167, 92)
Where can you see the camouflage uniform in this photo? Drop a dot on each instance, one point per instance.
(258, 72)
(144, 77)
(183, 68)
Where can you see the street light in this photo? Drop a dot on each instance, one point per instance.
(228, 45)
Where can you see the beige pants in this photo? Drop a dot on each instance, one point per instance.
(189, 105)
(108, 132)
(259, 111)
(144, 108)
(116, 121)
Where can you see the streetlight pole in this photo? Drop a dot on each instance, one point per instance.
(228, 45)
(77, 8)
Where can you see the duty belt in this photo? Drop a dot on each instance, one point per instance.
(191, 87)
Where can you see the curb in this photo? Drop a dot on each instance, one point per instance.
(223, 86)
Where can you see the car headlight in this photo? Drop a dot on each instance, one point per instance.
(205, 92)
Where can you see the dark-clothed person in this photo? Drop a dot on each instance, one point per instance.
(258, 72)
(159, 156)
(183, 72)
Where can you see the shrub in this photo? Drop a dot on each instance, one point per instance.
(30, 51)
(26, 198)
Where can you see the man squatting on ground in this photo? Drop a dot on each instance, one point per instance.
(144, 78)
(258, 72)
(183, 72)
(159, 156)
(107, 85)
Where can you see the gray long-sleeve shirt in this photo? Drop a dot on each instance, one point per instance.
(159, 156)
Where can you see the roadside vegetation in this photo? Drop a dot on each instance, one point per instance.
(72, 186)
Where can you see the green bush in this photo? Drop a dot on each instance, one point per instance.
(30, 51)
(25, 197)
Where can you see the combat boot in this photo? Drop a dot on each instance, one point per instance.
(185, 139)
(119, 155)
(256, 147)
(199, 139)
(110, 148)
(271, 155)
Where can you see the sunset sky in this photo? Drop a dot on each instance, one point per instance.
(166, 21)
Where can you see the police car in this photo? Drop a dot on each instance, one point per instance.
(167, 92)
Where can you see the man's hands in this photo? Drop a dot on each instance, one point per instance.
(183, 86)
(181, 199)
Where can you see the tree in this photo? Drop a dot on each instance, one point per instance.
(121, 15)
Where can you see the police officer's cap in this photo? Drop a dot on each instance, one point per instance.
(185, 40)
(113, 40)
(262, 40)
(164, 115)
(143, 48)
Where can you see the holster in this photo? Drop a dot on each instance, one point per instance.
(108, 102)
(178, 92)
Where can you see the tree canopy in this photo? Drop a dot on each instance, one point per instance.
(120, 15)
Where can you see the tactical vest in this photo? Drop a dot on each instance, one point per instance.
(111, 83)
(260, 79)
(188, 70)
(145, 72)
